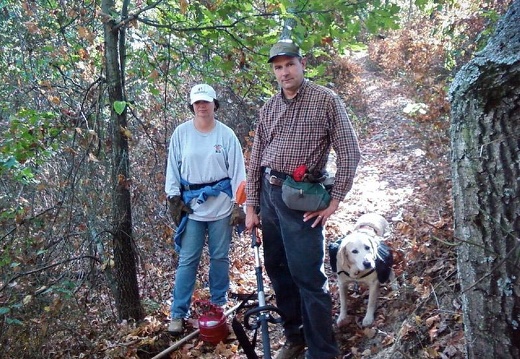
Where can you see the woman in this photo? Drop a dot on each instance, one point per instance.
(205, 168)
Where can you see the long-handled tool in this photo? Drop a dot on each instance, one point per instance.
(190, 336)
(260, 316)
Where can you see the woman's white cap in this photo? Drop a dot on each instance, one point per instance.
(202, 92)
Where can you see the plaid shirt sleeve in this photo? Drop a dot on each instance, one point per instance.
(345, 144)
(254, 173)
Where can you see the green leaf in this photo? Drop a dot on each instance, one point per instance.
(358, 47)
(10, 163)
(154, 91)
(421, 4)
(4, 310)
(13, 321)
(119, 106)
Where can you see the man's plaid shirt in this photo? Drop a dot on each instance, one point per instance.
(302, 131)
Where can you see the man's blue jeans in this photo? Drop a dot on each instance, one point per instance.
(193, 240)
(293, 258)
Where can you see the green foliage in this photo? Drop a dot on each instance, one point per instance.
(223, 40)
(27, 142)
(119, 107)
(8, 314)
(65, 289)
(383, 18)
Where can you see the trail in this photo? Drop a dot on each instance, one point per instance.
(403, 175)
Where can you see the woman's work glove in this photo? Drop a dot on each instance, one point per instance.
(177, 206)
(238, 216)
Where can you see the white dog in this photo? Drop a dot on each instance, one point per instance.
(362, 256)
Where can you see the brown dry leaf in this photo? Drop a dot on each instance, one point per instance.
(370, 332)
(83, 54)
(85, 33)
(406, 330)
(432, 352)
(32, 27)
(154, 75)
(438, 266)
(92, 158)
(126, 132)
(433, 333)
(54, 99)
(366, 352)
(388, 340)
(46, 84)
(432, 320)
(183, 4)
(225, 349)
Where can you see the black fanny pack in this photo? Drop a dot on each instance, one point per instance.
(197, 186)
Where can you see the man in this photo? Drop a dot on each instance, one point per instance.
(298, 126)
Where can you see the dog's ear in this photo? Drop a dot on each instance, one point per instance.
(376, 241)
(384, 262)
(350, 257)
(341, 257)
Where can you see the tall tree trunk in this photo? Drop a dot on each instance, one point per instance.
(127, 291)
(485, 133)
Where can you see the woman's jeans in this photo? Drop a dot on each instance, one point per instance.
(193, 240)
(293, 256)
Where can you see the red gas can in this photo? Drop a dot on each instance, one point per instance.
(212, 324)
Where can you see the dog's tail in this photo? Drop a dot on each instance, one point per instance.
(375, 221)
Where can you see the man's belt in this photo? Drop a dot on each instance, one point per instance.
(274, 177)
(194, 187)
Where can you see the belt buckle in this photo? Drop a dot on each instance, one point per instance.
(273, 180)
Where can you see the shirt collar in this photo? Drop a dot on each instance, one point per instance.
(302, 88)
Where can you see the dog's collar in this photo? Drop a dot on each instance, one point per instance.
(363, 276)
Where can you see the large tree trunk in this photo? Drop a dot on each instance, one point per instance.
(127, 291)
(485, 133)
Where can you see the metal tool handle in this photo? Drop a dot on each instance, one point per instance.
(255, 240)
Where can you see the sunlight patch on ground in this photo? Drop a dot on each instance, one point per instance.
(371, 193)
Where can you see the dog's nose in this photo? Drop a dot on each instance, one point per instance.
(367, 264)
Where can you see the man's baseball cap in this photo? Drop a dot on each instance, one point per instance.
(202, 92)
(284, 48)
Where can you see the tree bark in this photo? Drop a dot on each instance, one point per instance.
(485, 131)
(127, 298)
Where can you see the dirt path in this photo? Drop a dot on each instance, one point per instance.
(403, 175)
(396, 156)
